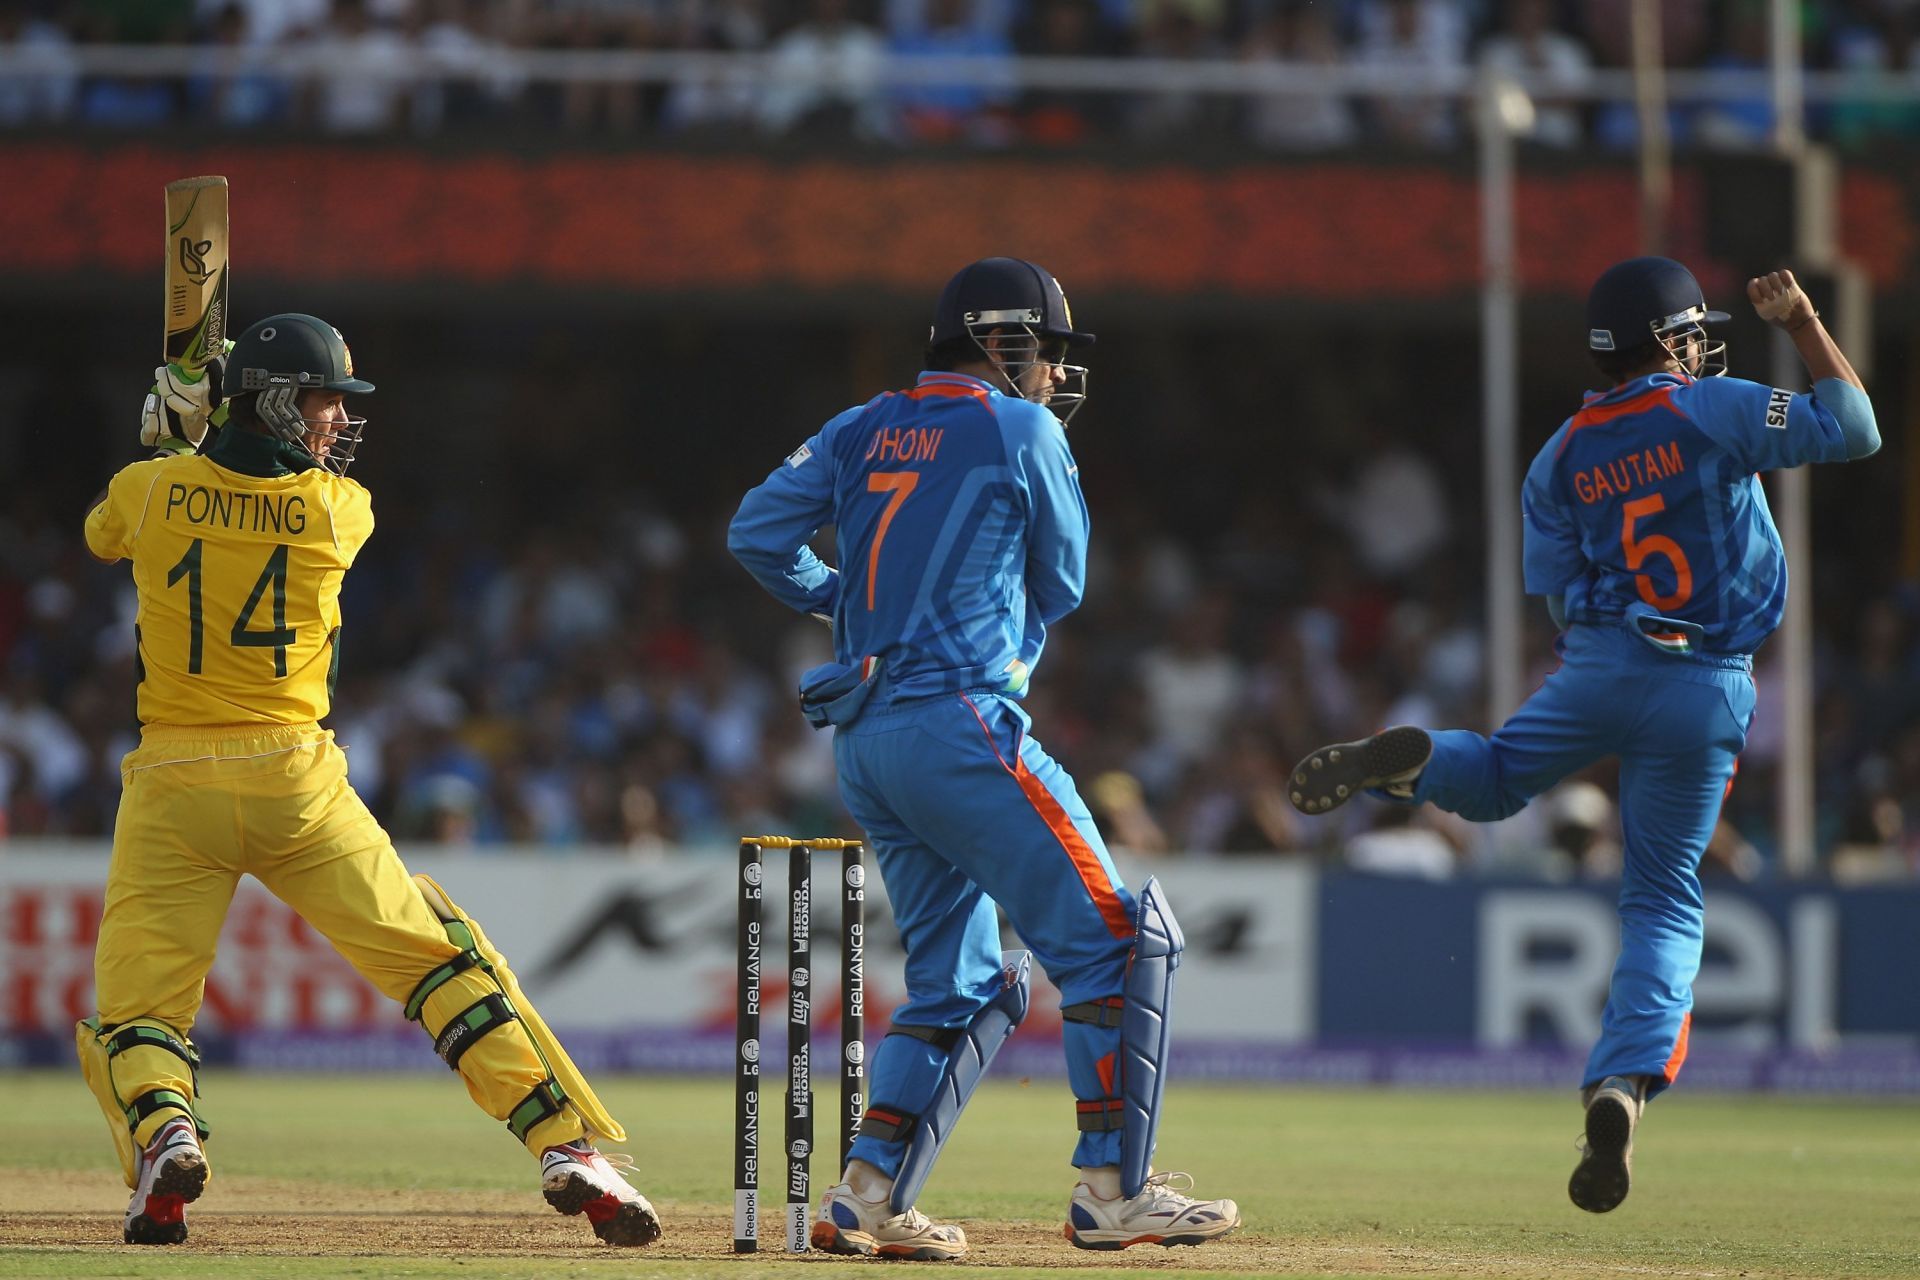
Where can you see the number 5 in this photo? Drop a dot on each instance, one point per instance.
(1655, 544)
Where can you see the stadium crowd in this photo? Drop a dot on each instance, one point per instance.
(516, 678)
(356, 67)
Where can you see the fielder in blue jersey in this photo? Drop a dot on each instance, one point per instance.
(961, 535)
(1648, 533)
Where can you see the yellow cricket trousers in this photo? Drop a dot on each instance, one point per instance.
(200, 807)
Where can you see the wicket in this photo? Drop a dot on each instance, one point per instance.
(747, 1053)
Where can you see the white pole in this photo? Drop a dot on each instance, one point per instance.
(1502, 110)
(1650, 110)
(1795, 799)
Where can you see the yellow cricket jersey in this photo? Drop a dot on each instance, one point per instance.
(237, 562)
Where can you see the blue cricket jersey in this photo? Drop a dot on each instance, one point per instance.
(1648, 496)
(961, 533)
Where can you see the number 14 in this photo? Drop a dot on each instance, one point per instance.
(274, 574)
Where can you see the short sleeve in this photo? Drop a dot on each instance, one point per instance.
(352, 509)
(1763, 428)
(114, 520)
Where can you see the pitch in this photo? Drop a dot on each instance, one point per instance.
(325, 1176)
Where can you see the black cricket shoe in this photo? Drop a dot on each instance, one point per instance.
(1330, 776)
(1605, 1172)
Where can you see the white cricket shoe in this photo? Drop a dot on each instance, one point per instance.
(173, 1173)
(578, 1179)
(848, 1224)
(1161, 1214)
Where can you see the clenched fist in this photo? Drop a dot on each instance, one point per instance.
(1778, 299)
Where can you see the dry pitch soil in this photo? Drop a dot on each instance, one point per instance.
(75, 1212)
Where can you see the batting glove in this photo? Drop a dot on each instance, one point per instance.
(181, 404)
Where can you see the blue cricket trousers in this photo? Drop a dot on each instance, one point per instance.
(964, 810)
(1677, 722)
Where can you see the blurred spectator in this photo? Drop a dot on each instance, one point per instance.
(1730, 855)
(1181, 30)
(1608, 28)
(473, 79)
(1583, 833)
(1298, 35)
(721, 99)
(1421, 37)
(360, 71)
(1396, 510)
(39, 78)
(1405, 842)
(1066, 29)
(927, 111)
(1739, 122)
(824, 76)
(239, 89)
(1239, 801)
(1526, 44)
(1193, 683)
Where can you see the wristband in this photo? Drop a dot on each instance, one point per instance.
(1804, 323)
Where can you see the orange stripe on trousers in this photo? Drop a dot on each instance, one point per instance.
(1085, 861)
(1672, 1068)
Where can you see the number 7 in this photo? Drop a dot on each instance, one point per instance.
(899, 484)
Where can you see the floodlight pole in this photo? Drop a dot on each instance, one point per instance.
(1501, 110)
(1813, 248)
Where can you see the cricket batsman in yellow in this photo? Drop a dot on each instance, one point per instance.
(238, 549)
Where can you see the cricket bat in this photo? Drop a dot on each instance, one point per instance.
(196, 271)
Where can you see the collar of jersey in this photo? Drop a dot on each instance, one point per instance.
(252, 454)
(955, 380)
(1627, 390)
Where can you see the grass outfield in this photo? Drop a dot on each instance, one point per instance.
(323, 1176)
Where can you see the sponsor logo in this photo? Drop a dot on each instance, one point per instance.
(1778, 402)
(856, 1052)
(800, 1149)
(799, 456)
(1600, 339)
(752, 873)
(856, 876)
(750, 1051)
(193, 258)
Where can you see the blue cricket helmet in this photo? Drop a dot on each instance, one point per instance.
(1004, 291)
(1642, 298)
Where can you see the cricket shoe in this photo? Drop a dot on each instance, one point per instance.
(578, 1179)
(1605, 1172)
(173, 1173)
(1390, 760)
(1161, 1214)
(848, 1224)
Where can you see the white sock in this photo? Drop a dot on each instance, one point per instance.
(868, 1182)
(1104, 1181)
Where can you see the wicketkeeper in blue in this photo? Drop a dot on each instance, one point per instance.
(961, 534)
(1648, 533)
